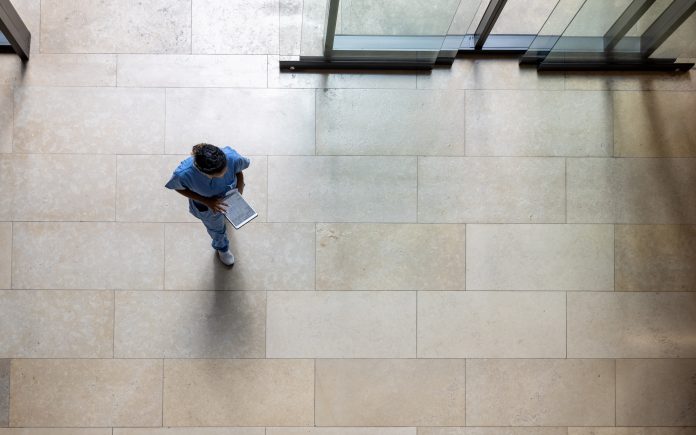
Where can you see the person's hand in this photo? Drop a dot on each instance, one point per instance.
(217, 205)
(240, 188)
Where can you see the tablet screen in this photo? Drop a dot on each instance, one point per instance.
(239, 212)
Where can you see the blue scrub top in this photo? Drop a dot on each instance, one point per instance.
(186, 176)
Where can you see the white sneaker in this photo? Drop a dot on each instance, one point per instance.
(226, 257)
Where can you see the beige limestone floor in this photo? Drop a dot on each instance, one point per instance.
(481, 250)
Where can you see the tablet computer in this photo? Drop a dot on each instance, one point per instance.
(239, 212)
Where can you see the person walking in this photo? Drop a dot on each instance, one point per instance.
(205, 178)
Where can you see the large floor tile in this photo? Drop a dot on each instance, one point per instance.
(142, 70)
(6, 119)
(238, 392)
(491, 190)
(341, 324)
(142, 196)
(342, 80)
(5, 255)
(116, 26)
(89, 120)
(10, 68)
(631, 81)
(56, 324)
(84, 255)
(492, 431)
(342, 189)
(631, 325)
(654, 124)
(390, 122)
(239, 27)
(656, 257)
(540, 257)
(69, 70)
(491, 325)
(341, 431)
(184, 324)
(405, 392)
(411, 257)
(191, 431)
(80, 187)
(268, 257)
(655, 392)
(4, 392)
(540, 392)
(489, 73)
(632, 431)
(86, 393)
(255, 122)
(538, 123)
(632, 191)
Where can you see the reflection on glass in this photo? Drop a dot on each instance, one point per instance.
(585, 35)
(648, 18)
(3, 40)
(562, 14)
(398, 29)
(396, 17)
(523, 17)
(681, 45)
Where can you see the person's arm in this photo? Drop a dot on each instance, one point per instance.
(240, 182)
(215, 204)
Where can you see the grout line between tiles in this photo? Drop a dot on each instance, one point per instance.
(12, 255)
(268, 183)
(417, 295)
(418, 160)
(614, 254)
(113, 330)
(162, 397)
(12, 98)
(615, 376)
(164, 256)
(116, 190)
(9, 395)
(565, 187)
(164, 127)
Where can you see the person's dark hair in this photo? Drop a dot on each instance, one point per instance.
(209, 158)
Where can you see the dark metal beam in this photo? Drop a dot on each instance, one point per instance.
(495, 7)
(665, 25)
(14, 29)
(332, 18)
(626, 21)
(319, 63)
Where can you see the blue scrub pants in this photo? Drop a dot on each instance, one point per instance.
(214, 223)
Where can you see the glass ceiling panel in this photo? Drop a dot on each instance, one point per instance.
(681, 44)
(523, 17)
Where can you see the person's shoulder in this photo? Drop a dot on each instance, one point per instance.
(185, 167)
(230, 153)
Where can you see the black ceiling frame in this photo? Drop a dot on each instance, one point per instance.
(14, 30)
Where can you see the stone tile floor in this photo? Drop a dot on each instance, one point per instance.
(481, 250)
